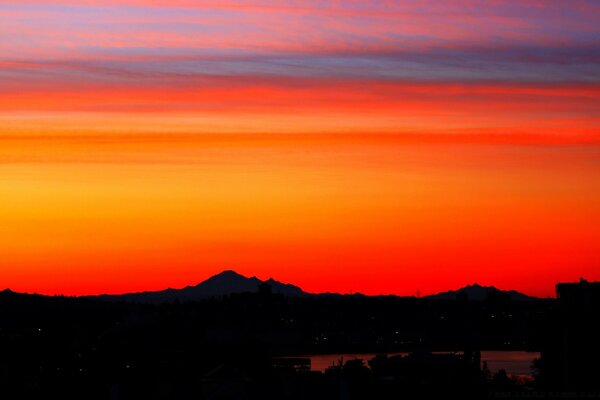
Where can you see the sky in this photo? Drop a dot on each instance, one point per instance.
(381, 147)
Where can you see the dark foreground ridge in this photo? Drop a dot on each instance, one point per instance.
(243, 338)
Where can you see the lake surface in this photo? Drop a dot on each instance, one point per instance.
(514, 362)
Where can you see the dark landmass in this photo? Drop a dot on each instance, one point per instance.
(223, 284)
(246, 341)
(230, 282)
(480, 293)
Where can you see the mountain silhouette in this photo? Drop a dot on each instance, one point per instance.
(476, 292)
(223, 284)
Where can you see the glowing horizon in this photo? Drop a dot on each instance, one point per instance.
(373, 147)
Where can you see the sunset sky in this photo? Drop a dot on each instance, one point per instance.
(381, 147)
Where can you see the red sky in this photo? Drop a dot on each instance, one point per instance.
(363, 146)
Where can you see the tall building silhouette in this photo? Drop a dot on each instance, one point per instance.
(571, 354)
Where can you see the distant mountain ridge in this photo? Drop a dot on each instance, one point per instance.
(223, 284)
(230, 282)
(476, 292)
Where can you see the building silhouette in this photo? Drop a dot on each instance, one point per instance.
(571, 350)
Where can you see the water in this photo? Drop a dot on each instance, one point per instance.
(514, 362)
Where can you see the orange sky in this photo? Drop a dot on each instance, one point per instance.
(151, 145)
(328, 212)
